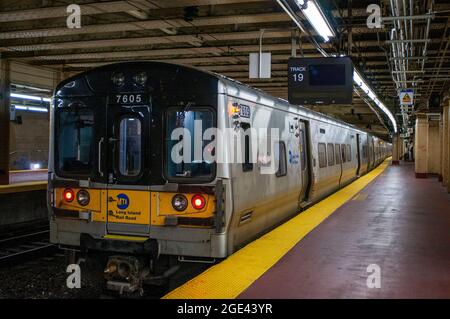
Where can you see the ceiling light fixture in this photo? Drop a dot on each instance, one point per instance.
(315, 16)
(29, 97)
(367, 90)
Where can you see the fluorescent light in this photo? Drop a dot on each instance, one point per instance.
(37, 109)
(26, 97)
(30, 108)
(29, 97)
(317, 19)
(363, 85)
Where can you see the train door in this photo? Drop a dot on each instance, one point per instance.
(374, 153)
(338, 159)
(304, 161)
(127, 168)
(358, 153)
(369, 153)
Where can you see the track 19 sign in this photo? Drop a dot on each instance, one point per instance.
(320, 80)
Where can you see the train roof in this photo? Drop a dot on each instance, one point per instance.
(262, 97)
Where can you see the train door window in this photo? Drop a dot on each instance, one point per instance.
(182, 160)
(130, 149)
(74, 142)
(344, 157)
(348, 154)
(247, 166)
(303, 149)
(330, 150)
(337, 152)
(322, 155)
(280, 158)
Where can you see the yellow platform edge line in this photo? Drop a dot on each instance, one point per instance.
(232, 276)
(23, 187)
(40, 170)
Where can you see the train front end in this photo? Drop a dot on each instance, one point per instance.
(117, 192)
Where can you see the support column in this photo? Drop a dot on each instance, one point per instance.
(441, 146)
(433, 147)
(421, 146)
(4, 121)
(445, 144)
(396, 149)
(402, 149)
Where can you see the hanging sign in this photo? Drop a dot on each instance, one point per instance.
(406, 97)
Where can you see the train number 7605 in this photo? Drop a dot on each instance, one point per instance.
(129, 99)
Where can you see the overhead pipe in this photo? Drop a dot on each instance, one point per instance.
(405, 25)
(408, 41)
(408, 17)
(427, 35)
(411, 12)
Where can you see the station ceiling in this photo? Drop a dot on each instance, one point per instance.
(218, 35)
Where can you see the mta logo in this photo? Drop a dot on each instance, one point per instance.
(122, 201)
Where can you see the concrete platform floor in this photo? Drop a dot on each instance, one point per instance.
(398, 222)
(27, 176)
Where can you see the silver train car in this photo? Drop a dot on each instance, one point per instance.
(116, 191)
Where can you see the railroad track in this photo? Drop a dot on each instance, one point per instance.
(25, 244)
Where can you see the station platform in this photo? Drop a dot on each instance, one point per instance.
(386, 218)
(24, 181)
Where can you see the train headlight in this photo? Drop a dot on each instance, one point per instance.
(118, 79)
(179, 202)
(198, 201)
(83, 197)
(68, 195)
(140, 78)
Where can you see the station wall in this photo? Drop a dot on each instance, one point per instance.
(29, 140)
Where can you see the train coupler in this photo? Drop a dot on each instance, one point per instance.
(123, 274)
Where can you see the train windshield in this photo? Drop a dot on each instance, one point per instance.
(75, 141)
(185, 145)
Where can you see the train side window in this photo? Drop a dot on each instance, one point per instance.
(344, 157)
(247, 166)
(330, 150)
(280, 158)
(322, 155)
(349, 153)
(337, 151)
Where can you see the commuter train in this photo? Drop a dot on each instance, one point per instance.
(116, 189)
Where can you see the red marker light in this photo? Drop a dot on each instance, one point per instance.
(198, 201)
(68, 195)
